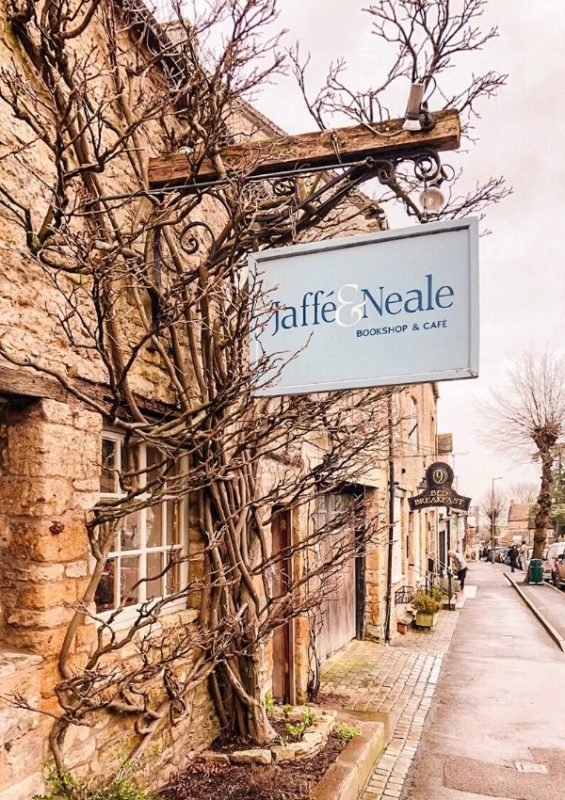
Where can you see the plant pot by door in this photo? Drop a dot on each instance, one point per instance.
(425, 619)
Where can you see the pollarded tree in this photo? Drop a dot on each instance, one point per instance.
(492, 511)
(525, 413)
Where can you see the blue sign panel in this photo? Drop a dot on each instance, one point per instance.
(390, 308)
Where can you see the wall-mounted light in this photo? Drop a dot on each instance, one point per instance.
(417, 116)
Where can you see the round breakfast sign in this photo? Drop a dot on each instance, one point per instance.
(439, 490)
(391, 308)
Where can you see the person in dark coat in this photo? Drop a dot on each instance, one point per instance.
(513, 557)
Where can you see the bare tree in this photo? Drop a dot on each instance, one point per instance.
(523, 492)
(525, 413)
(492, 512)
(142, 280)
(426, 38)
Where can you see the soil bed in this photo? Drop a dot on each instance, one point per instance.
(228, 742)
(291, 780)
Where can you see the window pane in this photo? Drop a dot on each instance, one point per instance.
(154, 466)
(108, 467)
(105, 593)
(130, 467)
(173, 522)
(129, 576)
(129, 532)
(154, 567)
(172, 577)
(155, 526)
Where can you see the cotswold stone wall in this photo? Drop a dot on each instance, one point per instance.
(49, 481)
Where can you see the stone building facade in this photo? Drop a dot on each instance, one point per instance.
(52, 476)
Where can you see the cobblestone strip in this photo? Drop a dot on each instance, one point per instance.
(400, 679)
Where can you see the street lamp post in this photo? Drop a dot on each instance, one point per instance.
(492, 527)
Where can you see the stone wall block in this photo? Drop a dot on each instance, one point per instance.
(22, 736)
(38, 498)
(32, 538)
(80, 754)
(86, 636)
(24, 789)
(38, 450)
(43, 641)
(76, 569)
(15, 722)
(26, 570)
(29, 749)
(33, 618)
(38, 596)
(75, 416)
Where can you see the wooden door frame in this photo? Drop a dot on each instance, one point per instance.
(283, 514)
(360, 585)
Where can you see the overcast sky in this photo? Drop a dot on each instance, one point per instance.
(522, 136)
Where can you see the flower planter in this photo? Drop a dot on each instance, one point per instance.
(425, 619)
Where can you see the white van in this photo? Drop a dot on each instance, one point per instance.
(551, 562)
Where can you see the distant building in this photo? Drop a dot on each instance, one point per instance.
(517, 528)
(521, 526)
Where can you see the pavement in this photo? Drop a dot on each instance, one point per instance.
(477, 704)
(496, 727)
(398, 682)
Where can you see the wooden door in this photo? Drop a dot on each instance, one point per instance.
(282, 676)
(337, 618)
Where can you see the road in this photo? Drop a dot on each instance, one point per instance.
(500, 700)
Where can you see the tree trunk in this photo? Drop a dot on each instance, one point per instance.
(543, 515)
(232, 609)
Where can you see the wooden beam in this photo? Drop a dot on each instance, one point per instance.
(21, 383)
(330, 148)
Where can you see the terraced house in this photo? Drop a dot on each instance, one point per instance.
(172, 547)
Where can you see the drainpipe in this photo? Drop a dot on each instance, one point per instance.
(388, 597)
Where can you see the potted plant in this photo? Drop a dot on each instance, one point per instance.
(426, 609)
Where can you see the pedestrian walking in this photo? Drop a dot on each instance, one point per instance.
(524, 555)
(513, 557)
(459, 565)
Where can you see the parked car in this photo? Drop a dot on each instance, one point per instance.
(552, 559)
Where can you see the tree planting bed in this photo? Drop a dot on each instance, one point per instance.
(289, 780)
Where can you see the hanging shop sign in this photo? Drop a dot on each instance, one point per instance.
(390, 308)
(439, 491)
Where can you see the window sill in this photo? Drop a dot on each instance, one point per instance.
(175, 614)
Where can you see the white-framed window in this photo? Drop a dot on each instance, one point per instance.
(413, 422)
(146, 561)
